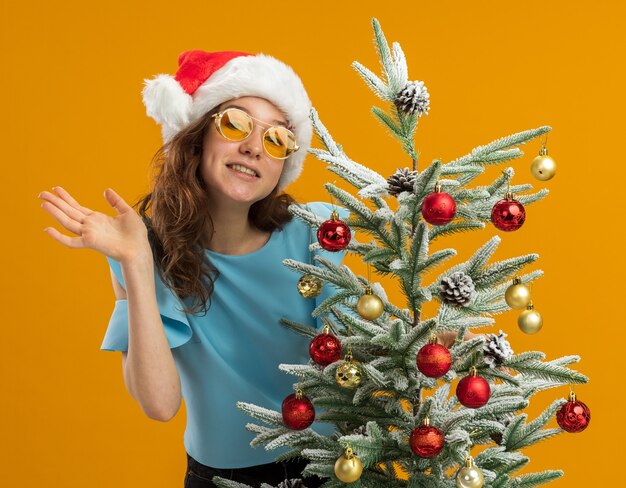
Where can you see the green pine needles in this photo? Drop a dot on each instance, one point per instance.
(377, 418)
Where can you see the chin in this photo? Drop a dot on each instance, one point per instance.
(247, 199)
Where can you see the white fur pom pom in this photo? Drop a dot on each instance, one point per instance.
(167, 102)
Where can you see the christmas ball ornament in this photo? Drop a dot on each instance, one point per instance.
(334, 234)
(310, 286)
(401, 180)
(298, 411)
(543, 167)
(325, 348)
(348, 468)
(574, 416)
(517, 295)
(530, 321)
(348, 374)
(369, 306)
(434, 360)
(508, 214)
(469, 476)
(473, 391)
(438, 208)
(426, 441)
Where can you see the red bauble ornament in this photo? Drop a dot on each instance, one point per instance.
(298, 411)
(334, 234)
(574, 416)
(426, 441)
(438, 208)
(434, 360)
(325, 348)
(508, 214)
(473, 391)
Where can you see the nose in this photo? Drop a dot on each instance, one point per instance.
(252, 145)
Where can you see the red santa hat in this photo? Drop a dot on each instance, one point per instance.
(205, 80)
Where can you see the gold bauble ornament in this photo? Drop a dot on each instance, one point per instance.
(310, 286)
(543, 166)
(370, 307)
(530, 320)
(348, 374)
(517, 295)
(469, 476)
(348, 467)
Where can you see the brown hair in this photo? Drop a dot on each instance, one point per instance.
(178, 220)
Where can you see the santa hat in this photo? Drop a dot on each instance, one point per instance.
(205, 80)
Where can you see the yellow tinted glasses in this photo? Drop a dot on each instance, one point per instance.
(235, 125)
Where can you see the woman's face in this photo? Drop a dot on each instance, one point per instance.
(225, 183)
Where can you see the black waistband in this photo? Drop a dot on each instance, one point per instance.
(272, 473)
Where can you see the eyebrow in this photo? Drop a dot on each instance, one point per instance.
(275, 121)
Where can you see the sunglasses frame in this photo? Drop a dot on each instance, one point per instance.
(218, 119)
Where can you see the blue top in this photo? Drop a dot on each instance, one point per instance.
(232, 353)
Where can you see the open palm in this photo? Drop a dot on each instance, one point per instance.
(119, 237)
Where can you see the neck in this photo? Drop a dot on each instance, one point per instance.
(232, 231)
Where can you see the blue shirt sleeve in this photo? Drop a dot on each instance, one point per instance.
(175, 322)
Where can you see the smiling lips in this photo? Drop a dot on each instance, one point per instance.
(243, 169)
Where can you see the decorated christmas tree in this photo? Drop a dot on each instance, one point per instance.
(407, 410)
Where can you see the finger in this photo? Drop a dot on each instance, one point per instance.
(62, 218)
(116, 201)
(470, 335)
(68, 198)
(446, 337)
(77, 215)
(73, 242)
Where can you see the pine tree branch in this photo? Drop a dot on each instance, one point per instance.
(482, 153)
(496, 273)
(375, 84)
(551, 372)
(260, 413)
(480, 257)
(386, 60)
(224, 483)
(455, 228)
(372, 224)
(531, 480)
(417, 254)
(305, 330)
(364, 327)
(426, 181)
(387, 121)
(518, 435)
(500, 461)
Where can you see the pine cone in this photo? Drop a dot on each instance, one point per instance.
(497, 436)
(413, 98)
(401, 180)
(292, 483)
(457, 289)
(496, 349)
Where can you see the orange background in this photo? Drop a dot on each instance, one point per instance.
(72, 116)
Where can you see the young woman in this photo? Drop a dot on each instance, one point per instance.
(197, 270)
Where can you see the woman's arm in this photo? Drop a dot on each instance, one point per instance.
(150, 372)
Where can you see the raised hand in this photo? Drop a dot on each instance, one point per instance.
(122, 237)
